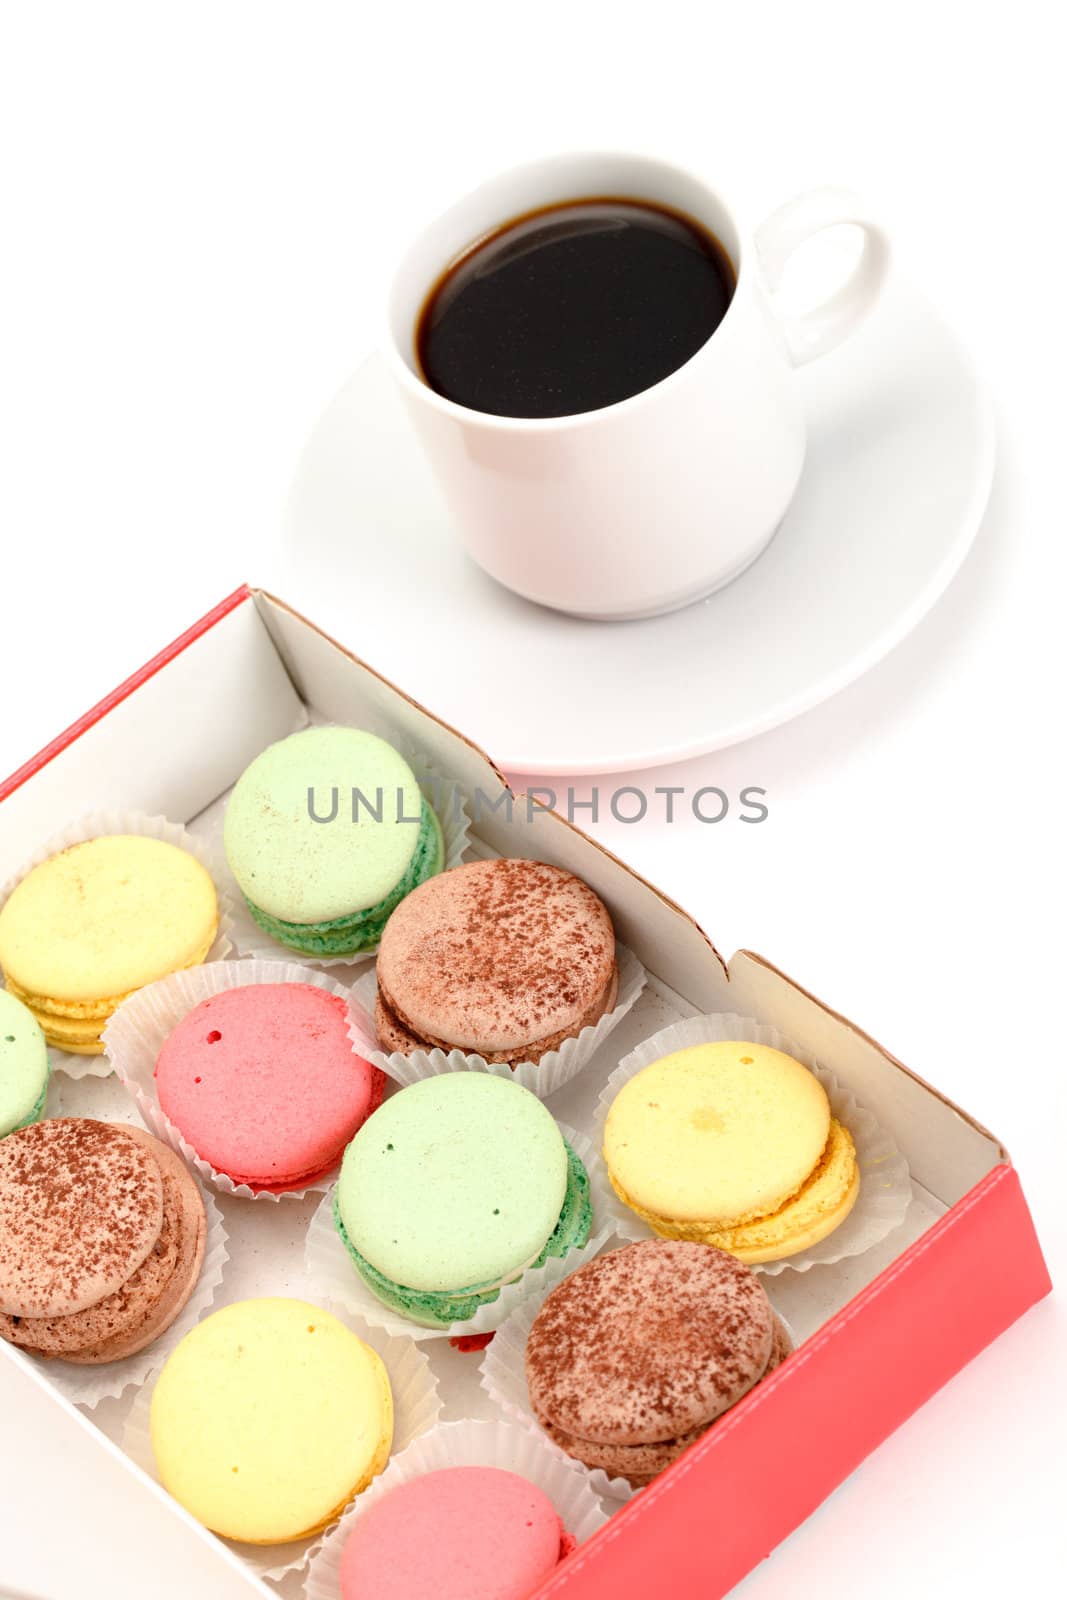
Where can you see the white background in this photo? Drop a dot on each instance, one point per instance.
(199, 202)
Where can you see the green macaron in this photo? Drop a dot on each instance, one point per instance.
(23, 1066)
(325, 833)
(454, 1187)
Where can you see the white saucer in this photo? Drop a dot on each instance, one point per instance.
(898, 473)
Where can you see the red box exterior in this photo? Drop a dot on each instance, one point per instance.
(754, 1477)
(849, 1386)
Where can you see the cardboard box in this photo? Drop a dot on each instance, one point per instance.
(878, 1334)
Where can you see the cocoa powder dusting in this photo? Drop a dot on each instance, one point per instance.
(81, 1206)
(497, 953)
(116, 1314)
(648, 1343)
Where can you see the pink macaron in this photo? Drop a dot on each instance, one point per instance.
(263, 1083)
(463, 1533)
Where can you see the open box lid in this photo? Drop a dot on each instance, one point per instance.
(246, 676)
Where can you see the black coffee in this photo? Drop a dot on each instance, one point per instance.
(573, 307)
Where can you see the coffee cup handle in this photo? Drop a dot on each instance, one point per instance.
(826, 325)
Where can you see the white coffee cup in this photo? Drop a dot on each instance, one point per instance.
(660, 499)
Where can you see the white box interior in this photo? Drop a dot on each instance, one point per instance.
(177, 745)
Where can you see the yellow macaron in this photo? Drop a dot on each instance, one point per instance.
(733, 1145)
(92, 924)
(268, 1418)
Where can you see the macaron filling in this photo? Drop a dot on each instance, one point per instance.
(298, 1180)
(295, 1180)
(76, 1025)
(24, 1066)
(397, 1033)
(437, 1308)
(36, 1113)
(360, 930)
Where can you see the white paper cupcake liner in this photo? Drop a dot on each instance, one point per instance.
(96, 825)
(542, 1078)
(446, 798)
(466, 1444)
(416, 1408)
(885, 1181)
(141, 1025)
(503, 1377)
(337, 1284)
(89, 1385)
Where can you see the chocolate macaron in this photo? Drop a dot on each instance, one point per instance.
(502, 959)
(634, 1356)
(102, 1235)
